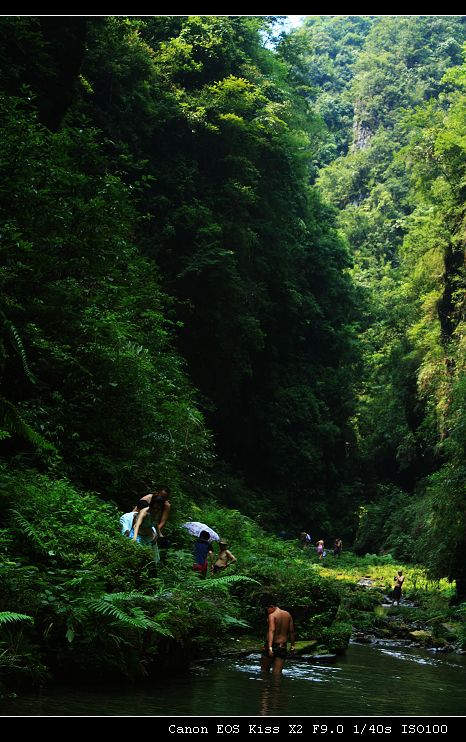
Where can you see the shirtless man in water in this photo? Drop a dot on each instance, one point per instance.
(279, 628)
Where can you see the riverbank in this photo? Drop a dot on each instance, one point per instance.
(366, 613)
(82, 603)
(424, 616)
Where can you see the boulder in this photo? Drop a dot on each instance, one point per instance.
(421, 636)
(305, 647)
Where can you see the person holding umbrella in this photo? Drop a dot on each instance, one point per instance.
(194, 527)
(203, 553)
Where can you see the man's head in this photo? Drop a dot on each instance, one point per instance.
(270, 603)
(204, 535)
(163, 491)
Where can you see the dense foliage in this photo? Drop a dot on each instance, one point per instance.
(173, 199)
(399, 187)
(234, 264)
(81, 601)
(166, 270)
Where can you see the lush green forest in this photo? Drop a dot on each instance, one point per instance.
(232, 261)
(396, 178)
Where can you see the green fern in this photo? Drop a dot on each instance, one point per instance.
(125, 597)
(8, 617)
(12, 422)
(28, 529)
(137, 619)
(80, 581)
(18, 346)
(106, 608)
(232, 621)
(222, 581)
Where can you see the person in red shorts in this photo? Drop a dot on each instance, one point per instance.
(203, 553)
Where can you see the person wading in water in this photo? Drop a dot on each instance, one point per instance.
(280, 628)
(399, 579)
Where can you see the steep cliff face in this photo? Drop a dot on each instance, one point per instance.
(362, 135)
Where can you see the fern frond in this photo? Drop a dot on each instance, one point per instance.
(136, 618)
(222, 581)
(78, 581)
(4, 434)
(12, 422)
(28, 529)
(139, 615)
(232, 621)
(8, 617)
(19, 347)
(126, 597)
(103, 607)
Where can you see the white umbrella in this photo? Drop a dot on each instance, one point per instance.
(194, 527)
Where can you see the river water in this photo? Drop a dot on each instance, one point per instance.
(383, 679)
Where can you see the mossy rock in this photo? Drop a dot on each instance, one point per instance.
(383, 632)
(242, 645)
(305, 647)
(439, 642)
(421, 636)
(337, 637)
(447, 629)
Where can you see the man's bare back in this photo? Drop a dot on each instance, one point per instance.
(282, 624)
(280, 627)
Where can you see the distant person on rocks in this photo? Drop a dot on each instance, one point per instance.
(224, 558)
(280, 628)
(320, 548)
(399, 580)
(304, 540)
(203, 553)
(337, 547)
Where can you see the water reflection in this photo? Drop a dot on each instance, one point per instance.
(377, 680)
(271, 698)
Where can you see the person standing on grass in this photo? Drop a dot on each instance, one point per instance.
(203, 553)
(304, 539)
(320, 548)
(224, 558)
